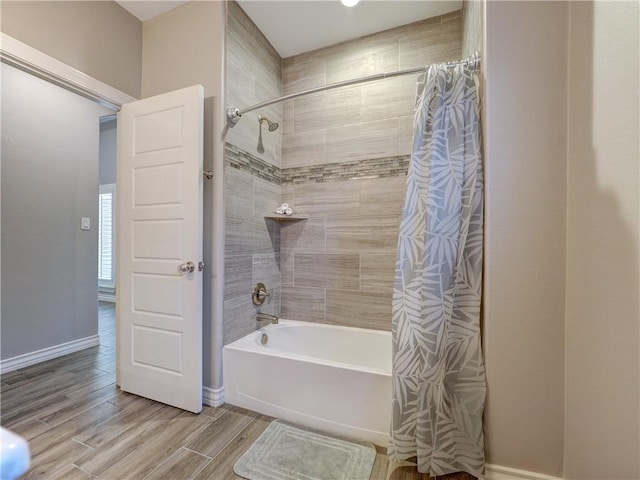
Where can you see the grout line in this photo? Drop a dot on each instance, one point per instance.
(81, 443)
(84, 471)
(199, 470)
(197, 453)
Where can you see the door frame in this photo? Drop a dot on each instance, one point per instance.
(28, 59)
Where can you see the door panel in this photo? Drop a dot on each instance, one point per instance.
(159, 308)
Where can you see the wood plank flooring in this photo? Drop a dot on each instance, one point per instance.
(80, 426)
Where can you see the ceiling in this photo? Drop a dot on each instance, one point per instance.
(147, 9)
(297, 26)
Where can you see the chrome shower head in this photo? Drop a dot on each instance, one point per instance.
(273, 126)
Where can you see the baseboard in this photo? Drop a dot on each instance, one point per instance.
(213, 397)
(497, 472)
(26, 359)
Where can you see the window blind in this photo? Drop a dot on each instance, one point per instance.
(106, 238)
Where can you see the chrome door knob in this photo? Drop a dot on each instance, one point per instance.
(188, 267)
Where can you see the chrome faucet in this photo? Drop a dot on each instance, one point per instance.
(266, 318)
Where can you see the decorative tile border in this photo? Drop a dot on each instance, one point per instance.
(338, 172)
(237, 158)
(332, 172)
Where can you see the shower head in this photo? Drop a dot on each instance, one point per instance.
(272, 125)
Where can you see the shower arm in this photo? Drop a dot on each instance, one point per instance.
(234, 114)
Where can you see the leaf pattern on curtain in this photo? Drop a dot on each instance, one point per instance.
(438, 369)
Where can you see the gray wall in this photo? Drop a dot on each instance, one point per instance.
(49, 181)
(98, 38)
(108, 152)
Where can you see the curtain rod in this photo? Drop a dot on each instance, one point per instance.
(234, 114)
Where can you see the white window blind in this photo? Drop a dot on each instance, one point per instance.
(106, 236)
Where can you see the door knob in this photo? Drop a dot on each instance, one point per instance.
(188, 267)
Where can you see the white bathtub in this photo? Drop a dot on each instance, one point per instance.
(327, 377)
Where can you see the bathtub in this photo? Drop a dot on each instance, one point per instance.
(332, 378)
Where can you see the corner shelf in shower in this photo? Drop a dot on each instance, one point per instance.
(286, 218)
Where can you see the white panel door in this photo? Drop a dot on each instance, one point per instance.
(159, 208)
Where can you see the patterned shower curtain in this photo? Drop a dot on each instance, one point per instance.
(438, 369)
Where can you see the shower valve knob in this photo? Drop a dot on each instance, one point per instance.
(259, 294)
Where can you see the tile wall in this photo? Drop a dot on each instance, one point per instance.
(252, 178)
(254, 74)
(345, 155)
(339, 157)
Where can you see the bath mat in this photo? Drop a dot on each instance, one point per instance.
(288, 452)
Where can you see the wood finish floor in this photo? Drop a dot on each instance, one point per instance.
(80, 426)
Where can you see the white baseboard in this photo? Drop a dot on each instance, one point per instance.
(497, 472)
(26, 359)
(214, 397)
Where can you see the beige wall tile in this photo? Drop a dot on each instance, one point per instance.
(303, 149)
(329, 271)
(254, 74)
(287, 118)
(238, 192)
(321, 200)
(238, 23)
(362, 57)
(382, 196)
(299, 303)
(427, 42)
(359, 309)
(416, 36)
(452, 22)
(246, 135)
(237, 275)
(239, 318)
(241, 86)
(266, 89)
(405, 134)
(266, 269)
(249, 235)
(391, 98)
(344, 254)
(362, 234)
(377, 273)
(266, 197)
(303, 72)
(472, 27)
(304, 236)
(287, 195)
(332, 108)
(362, 141)
(286, 268)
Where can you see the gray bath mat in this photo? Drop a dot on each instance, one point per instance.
(287, 452)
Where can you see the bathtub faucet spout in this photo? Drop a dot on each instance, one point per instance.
(266, 318)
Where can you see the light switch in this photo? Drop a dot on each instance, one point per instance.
(86, 223)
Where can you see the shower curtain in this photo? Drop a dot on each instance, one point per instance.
(438, 369)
